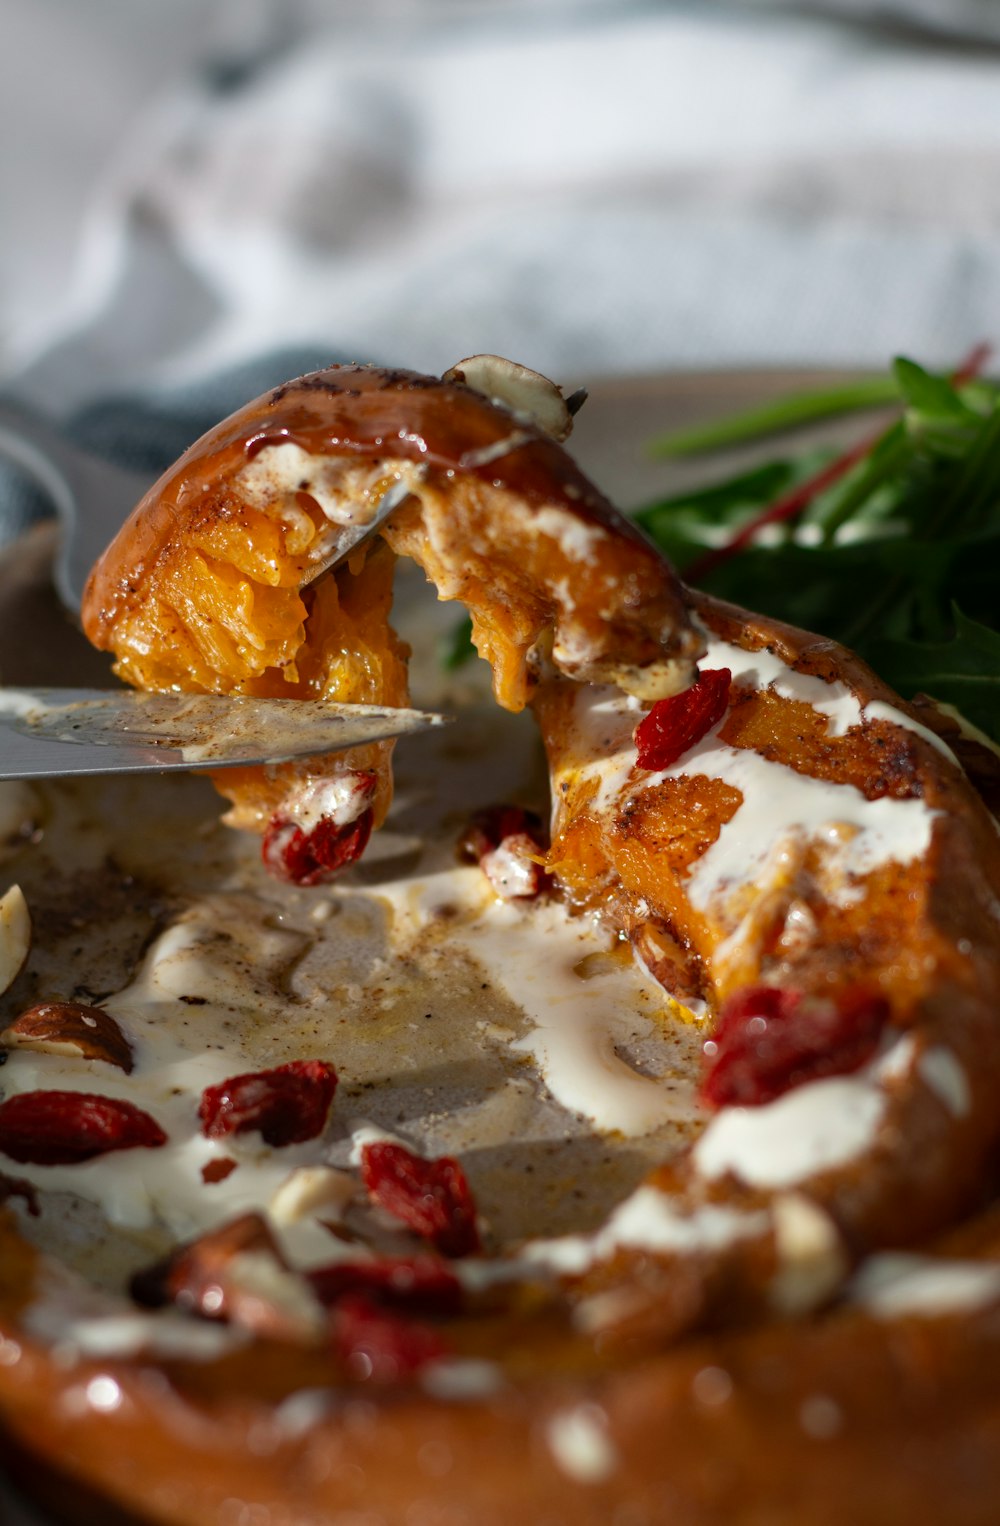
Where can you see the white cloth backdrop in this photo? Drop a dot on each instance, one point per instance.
(590, 187)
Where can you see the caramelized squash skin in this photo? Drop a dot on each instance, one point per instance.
(207, 589)
(631, 856)
(211, 585)
(215, 583)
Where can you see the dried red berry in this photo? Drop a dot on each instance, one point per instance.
(314, 854)
(674, 725)
(506, 842)
(489, 827)
(287, 1105)
(62, 1128)
(217, 1170)
(378, 1346)
(417, 1285)
(431, 1196)
(768, 1040)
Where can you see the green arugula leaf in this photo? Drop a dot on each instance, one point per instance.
(687, 524)
(975, 488)
(774, 418)
(883, 463)
(964, 671)
(925, 393)
(895, 555)
(890, 548)
(456, 646)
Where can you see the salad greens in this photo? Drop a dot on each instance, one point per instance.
(769, 418)
(456, 646)
(892, 548)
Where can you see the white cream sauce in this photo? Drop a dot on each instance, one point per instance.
(20, 703)
(352, 493)
(896, 1285)
(364, 1134)
(241, 981)
(648, 1220)
(471, 460)
(580, 1444)
(461, 1378)
(279, 472)
(579, 541)
(252, 974)
(340, 799)
(859, 834)
(946, 1077)
(579, 1023)
(815, 1128)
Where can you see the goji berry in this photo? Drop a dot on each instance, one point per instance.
(311, 852)
(287, 1105)
(769, 1039)
(430, 1196)
(312, 858)
(417, 1284)
(507, 842)
(490, 826)
(57, 1128)
(674, 725)
(378, 1346)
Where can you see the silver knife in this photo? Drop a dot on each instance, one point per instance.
(129, 732)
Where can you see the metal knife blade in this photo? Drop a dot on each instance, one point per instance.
(124, 731)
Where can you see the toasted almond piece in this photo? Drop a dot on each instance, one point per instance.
(68, 1027)
(271, 1299)
(518, 388)
(812, 1259)
(308, 1190)
(236, 1273)
(15, 936)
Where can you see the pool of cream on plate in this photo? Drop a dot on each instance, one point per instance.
(515, 1036)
